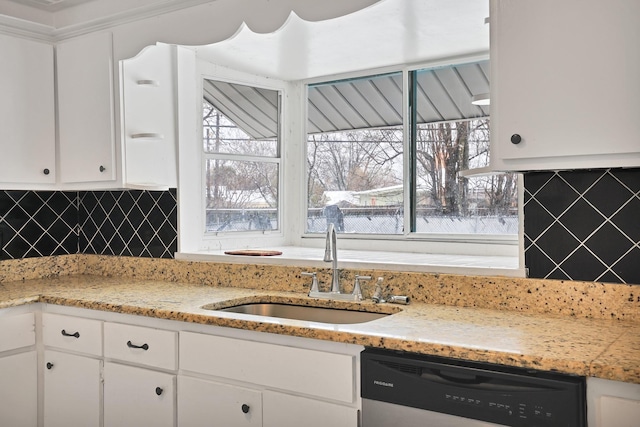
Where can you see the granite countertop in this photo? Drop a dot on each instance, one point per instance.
(602, 348)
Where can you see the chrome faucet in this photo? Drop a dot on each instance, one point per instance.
(331, 255)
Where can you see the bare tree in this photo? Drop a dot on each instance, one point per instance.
(237, 184)
(441, 151)
(353, 160)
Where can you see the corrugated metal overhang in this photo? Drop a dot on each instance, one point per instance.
(443, 94)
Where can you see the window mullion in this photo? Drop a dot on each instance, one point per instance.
(411, 157)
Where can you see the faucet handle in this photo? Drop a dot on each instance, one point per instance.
(377, 295)
(357, 291)
(314, 280)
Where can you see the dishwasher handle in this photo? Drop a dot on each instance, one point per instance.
(455, 377)
(476, 381)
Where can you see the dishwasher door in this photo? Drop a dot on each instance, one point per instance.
(408, 389)
(383, 414)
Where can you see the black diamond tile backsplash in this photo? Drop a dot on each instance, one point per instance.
(127, 223)
(38, 223)
(583, 225)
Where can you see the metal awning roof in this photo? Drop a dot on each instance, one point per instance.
(444, 94)
(254, 110)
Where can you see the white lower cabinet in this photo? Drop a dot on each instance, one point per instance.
(18, 372)
(72, 390)
(299, 386)
(208, 403)
(110, 370)
(19, 391)
(284, 410)
(612, 403)
(136, 397)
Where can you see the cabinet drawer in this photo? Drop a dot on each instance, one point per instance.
(17, 331)
(72, 333)
(310, 372)
(147, 346)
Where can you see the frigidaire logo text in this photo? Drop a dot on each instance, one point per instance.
(383, 383)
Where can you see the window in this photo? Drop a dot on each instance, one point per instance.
(373, 170)
(355, 156)
(241, 157)
(378, 156)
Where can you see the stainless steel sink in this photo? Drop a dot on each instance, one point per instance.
(304, 312)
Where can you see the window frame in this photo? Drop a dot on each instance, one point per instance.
(224, 156)
(292, 193)
(193, 236)
(408, 241)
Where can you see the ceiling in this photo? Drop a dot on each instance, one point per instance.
(51, 5)
(317, 38)
(387, 33)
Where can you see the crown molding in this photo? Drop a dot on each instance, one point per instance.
(27, 29)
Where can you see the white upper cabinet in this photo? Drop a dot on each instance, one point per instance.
(27, 112)
(148, 118)
(85, 109)
(565, 91)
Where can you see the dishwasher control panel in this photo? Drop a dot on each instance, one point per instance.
(490, 393)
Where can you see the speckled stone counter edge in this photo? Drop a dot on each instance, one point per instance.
(570, 298)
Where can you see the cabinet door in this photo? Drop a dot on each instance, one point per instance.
(570, 91)
(72, 390)
(138, 397)
(27, 112)
(283, 410)
(148, 118)
(208, 403)
(85, 109)
(19, 391)
(612, 403)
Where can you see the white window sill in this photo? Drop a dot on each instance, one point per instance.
(477, 265)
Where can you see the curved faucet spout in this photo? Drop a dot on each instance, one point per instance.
(331, 255)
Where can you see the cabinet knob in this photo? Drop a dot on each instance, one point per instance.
(245, 408)
(49, 365)
(46, 171)
(159, 391)
(102, 168)
(516, 139)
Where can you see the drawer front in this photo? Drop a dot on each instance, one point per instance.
(16, 331)
(72, 333)
(310, 372)
(137, 344)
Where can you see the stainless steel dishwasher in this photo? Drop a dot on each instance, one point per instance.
(411, 390)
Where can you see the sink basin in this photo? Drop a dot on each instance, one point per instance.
(332, 315)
